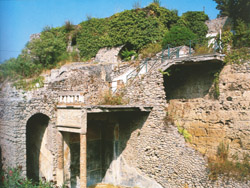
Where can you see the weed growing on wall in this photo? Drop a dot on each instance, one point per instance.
(187, 136)
(168, 120)
(108, 98)
(35, 83)
(221, 166)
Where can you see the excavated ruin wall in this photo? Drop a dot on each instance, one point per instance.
(157, 150)
(17, 106)
(16, 109)
(227, 120)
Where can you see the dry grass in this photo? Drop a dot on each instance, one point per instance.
(108, 98)
(202, 49)
(221, 166)
(102, 185)
(150, 50)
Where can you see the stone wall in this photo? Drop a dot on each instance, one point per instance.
(157, 150)
(227, 119)
(18, 106)
(151, 152)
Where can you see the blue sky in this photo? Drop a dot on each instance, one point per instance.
(21, 18)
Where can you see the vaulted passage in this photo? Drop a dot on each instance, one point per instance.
(38, 155)
(189, 81)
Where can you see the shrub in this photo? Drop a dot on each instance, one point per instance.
(47, 49)
(242, 34)
(68, 26)
(177, 36)
(13, 178)
(237, 56)
(195, 21)
(127, 55)
(201, 49)
(150, 50)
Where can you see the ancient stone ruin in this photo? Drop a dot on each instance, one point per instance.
(65, 133)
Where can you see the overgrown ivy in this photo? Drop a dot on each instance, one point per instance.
(138, 30)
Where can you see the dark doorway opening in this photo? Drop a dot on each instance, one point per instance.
(35, 130)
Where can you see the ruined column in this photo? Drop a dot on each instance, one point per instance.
(60, 160)
(83, 161)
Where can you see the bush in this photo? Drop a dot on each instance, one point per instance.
(237, 56)
(201, 49)
(178, 36)
(195, 21)
(150, 50)
(127, 55)
(47, 49)
(13, 178)
(132, 28)
(242, 34)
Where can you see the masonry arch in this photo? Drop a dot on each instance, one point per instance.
(39, 159)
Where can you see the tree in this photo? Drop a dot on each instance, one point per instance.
(239, 12)
(235, 9)
(177, 36)
(195, 21)
(223, 7)
(47, 49)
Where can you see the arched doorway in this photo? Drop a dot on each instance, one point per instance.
(39, 157)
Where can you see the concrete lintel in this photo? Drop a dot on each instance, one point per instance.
(69, 106)
(197, 59)
(117, 108)
(72, 130)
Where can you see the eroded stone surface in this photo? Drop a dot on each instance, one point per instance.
(155, 151)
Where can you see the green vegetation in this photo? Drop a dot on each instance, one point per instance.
(187, 136)
(195, 21)
(140, 30)
(230, 169)
(26, 85)
(238, 11)
(13, 178)
(237, 56)
(177, 36)
(150, 50)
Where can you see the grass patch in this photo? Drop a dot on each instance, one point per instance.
(27, 85)
(221, 166)
(150, 50)
(202, 49)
